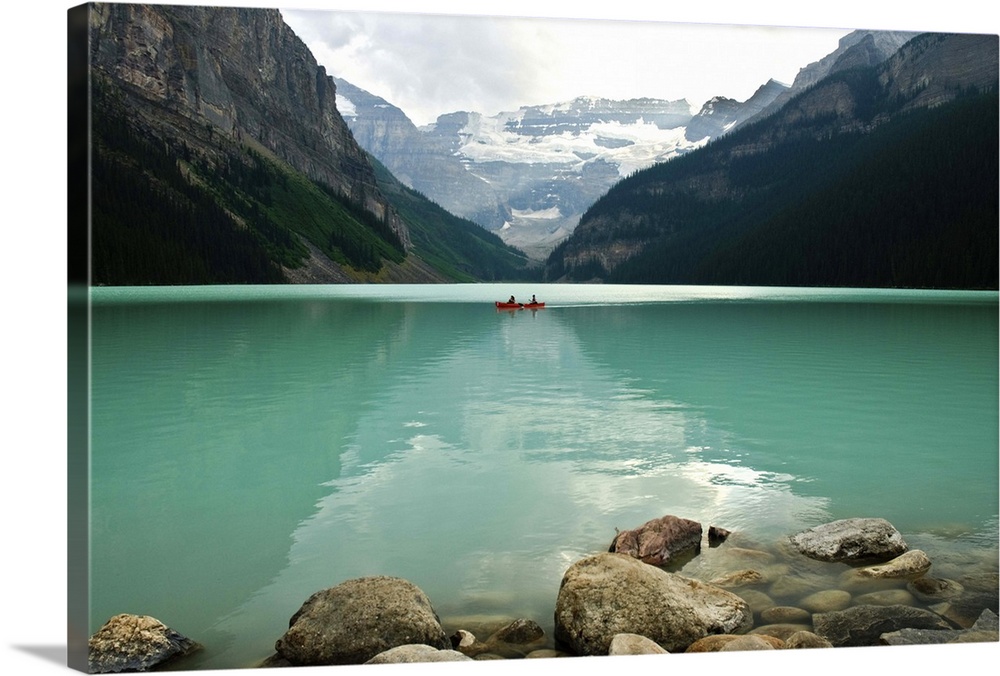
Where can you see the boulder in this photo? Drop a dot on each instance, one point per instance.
(417, 652)
(135, 643)
(633, 644)
(358, 619)
(608, 594)
(658, 541)
(864, 625)
(850, 540)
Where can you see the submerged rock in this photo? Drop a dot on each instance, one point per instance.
(864, 625)
(658, 541)
(513, 640)
(135, 643)
(739, 578)
(984, 629)
(716, 536)
(827, 600)
(358, 619)
(909, 566)
(849, 540)
(785, 615)
(930, 589)
(608, 594)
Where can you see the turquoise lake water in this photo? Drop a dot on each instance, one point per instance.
(252, 445)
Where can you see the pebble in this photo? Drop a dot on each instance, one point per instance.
(826, 601)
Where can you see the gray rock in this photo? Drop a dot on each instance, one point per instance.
(608, 594)
(358, 619)
(417, 652)
(984, 629)
(633, 644)
(806, 639)
(859, 539)
(135, 643)
(966, 608)
(658, 541)
(864, 625)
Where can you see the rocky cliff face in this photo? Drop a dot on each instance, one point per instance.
(209, 75)
(860, 48)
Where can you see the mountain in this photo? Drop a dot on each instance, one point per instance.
(857, 49)
(219, 156)
(529, 174)
(875, 175)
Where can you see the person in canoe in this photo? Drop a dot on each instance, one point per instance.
(512, 301)
(533, 301)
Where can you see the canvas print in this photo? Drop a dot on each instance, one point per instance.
(408, 338)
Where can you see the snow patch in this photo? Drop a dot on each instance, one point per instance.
(346, 107)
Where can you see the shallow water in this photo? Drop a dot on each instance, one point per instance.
(252, 445)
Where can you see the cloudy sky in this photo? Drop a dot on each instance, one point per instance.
(431, 64)
(432, 57)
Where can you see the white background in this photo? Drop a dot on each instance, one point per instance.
(34, 327)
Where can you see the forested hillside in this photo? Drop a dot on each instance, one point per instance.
(208, 168)
(852, 184)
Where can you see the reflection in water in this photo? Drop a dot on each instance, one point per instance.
(478, 454)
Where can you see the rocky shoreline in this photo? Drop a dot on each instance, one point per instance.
(626, 601)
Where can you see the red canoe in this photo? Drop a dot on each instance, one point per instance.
(518, 306)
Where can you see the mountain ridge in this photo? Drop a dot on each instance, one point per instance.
(673, 222)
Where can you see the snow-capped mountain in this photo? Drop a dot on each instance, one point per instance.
(531, 173)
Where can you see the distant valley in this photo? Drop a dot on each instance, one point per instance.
(530, 174)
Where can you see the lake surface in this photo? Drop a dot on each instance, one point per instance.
(253, 445)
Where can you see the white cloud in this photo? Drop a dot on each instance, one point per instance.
(430, 64)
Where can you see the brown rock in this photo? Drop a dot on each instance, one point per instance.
(657, 541)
